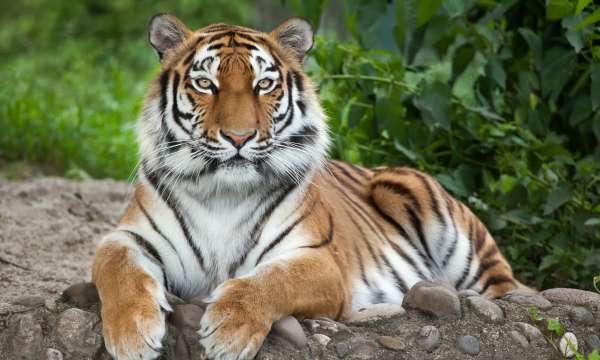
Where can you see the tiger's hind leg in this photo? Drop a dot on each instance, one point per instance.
(450, 239)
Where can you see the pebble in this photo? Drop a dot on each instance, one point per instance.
(429, 338)
(393, 343)
(363, 350)
(468, 344)
(593, 341)
(433, 298)
(27, 341)
(485, 308)
(532, 333)
(573, 297)
(289, 329)
(581, 315)
(325, 326)
(376, 312)
(343, 348)
(75, 331)
(563, 344)
(317, 344)
(519, 338)
(187, 315)
(467, 292)
(526, 298)
(30, 301)
(53, 354)
(81, 295)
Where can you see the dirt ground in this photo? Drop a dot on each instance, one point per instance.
(49, 228)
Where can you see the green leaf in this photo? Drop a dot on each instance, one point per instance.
(464, 86)
(426, 10)
(591, 19)
(557, 66)
(557, 198)
(594, 355)
(456, 8)
(555, 326)
(581, 4)
(595, 85)
(434, 103)
(592, 222)
(535, 44)
(556, 9)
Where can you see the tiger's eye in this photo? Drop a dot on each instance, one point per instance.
(265, 84)
(204, 83)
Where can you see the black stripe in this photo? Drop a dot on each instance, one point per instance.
(365, 240)
(400, 284)
(174, 205)
(189, 58)
(483, 267)
(495, 280)
(302, 106)
(298, 79)
(480, 237)
(248, 37)
(303, 136)
(452, 248)
(219, 36)
(468, 265)
(164, 82)
(327, 240)
(400, 190)
(214, 47)
(151, 250)
(418, 226)
(361, 266)
(174, 107)
(290, 109)
(435, 205)
(344, 171)
(360, 170)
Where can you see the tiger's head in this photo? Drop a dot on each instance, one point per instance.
(232, 106)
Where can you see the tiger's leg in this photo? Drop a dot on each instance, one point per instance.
(444, 231)
(242, 310)
(132, 295)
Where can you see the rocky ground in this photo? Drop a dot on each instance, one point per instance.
(48, 230)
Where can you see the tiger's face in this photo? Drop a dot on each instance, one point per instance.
(232, 106)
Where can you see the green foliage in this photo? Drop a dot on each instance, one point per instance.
(499, 100)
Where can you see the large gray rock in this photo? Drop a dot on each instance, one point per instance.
(75, 330)
(485, 308)
(27, 339)
(532, 333)
(581, 315)
(573, 297)
(527, 298)
(433, 298)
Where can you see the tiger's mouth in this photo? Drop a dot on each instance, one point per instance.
(237, 161)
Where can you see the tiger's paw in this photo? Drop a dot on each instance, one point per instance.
(233, 326)
(135, 330)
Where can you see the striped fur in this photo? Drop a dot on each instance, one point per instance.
(266, 227)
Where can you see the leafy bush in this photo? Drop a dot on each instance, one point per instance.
(500, 101)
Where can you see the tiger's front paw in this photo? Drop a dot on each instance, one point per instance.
(234, 326)
(135, 330)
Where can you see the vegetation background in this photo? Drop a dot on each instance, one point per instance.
(499, 100)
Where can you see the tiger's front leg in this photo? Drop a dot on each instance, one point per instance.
(241, 311)
(132, 297)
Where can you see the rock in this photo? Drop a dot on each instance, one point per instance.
(325, 326)
(187, 315)
(429, 338)
(392, 343)
(519, 338)
(468, 344)
(75, 331)
(82, 295)
(568, 344)
(30, 301)
(317, 343)
(289, 329)
(573, 297)
(467, 292)
(433, 298)
(376, 312)
(53, 354)
(485, 308)
(526, 298)
(581, 315)
(593, 342)
(343, 348)
(363, 350)
(27, 340)
(532, 333)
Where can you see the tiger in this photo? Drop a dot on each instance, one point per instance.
(236, 202)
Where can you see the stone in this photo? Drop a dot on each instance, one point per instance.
(532, 333)
(593, 342)
(573, 297)
(581, 315)
(527, 298)
(325, 326)
(433, 298)
(81, 295)
(27, 340)
(519, 338)
(317, 344)
(376, 312)
(289, 329)
(468, 344)
(187, 315)
(75, 331)
(485, 308)
(53, 354)
(392, 343)
(30, 301)
(467, 292)
(429, 338)
(363, 350)
(568, 344)
(343, 348)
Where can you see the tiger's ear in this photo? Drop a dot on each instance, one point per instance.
(165, 32)
(295, 34)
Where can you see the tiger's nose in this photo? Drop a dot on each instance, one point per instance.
(237, 138)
